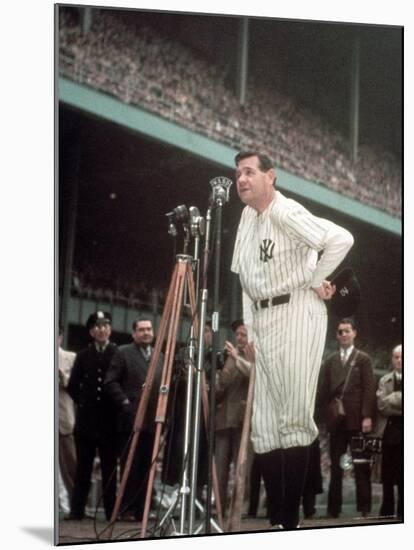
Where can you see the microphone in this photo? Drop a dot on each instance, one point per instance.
(197, 223)
(220, 190)
(179, 214)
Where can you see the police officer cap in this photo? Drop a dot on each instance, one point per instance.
(98, 318)
(348, 293)
(236, 324)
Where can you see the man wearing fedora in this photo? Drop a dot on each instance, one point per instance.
(95, 426)
(348, 374)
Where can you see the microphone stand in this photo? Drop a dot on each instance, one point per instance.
(198, 377)
(197, 229)
(220, 196)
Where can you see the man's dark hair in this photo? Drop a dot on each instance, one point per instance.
(347, 321)
(265, 163)
(139, 320)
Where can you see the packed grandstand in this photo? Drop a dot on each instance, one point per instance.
(140, 66)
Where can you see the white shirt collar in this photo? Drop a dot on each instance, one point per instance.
(100, 347)
(345, 353)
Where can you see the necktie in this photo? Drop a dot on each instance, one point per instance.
(147, 353)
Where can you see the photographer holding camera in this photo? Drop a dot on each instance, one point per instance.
(389, 427)
(232, 385)
(348, 376)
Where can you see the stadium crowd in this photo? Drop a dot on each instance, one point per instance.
(139, 66)
(111, 288)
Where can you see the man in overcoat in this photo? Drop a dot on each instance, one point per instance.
(353, 368)
(124, 384)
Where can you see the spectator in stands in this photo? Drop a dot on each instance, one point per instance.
(163, 76)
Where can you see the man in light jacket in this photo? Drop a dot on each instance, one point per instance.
(389, 427)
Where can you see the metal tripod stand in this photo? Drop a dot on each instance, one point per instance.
(182, 278)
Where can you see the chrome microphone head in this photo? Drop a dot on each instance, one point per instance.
(220, 190)
(197, 222)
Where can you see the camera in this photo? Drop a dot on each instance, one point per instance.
(364, 447)
(221, 358)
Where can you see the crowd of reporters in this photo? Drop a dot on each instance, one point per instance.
(98, 378)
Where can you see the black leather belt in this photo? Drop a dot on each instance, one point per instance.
(275, 301)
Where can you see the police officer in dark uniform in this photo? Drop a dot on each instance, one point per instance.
(95, 427)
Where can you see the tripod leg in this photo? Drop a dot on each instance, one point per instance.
(165, 383)
(143, 404)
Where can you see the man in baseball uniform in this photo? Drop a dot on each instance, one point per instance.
(284, 291)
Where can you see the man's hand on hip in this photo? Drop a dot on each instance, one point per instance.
(325, 291)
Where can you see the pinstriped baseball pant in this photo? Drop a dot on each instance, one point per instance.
(289, 341)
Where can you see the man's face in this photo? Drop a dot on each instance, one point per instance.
(345, 335)
(101, 332)
(397, 360)
(254, 187)
(143, 333)
(241, 337)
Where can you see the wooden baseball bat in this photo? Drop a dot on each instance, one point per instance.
(240, 473)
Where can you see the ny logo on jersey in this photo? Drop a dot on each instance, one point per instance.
(266, 250)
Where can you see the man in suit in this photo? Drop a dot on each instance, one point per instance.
(67, 451)
(353, 368)
(124, 383)
(389, 427)
(231, 390)
(95, 427)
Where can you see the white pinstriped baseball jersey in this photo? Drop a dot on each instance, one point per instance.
(276, 253)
